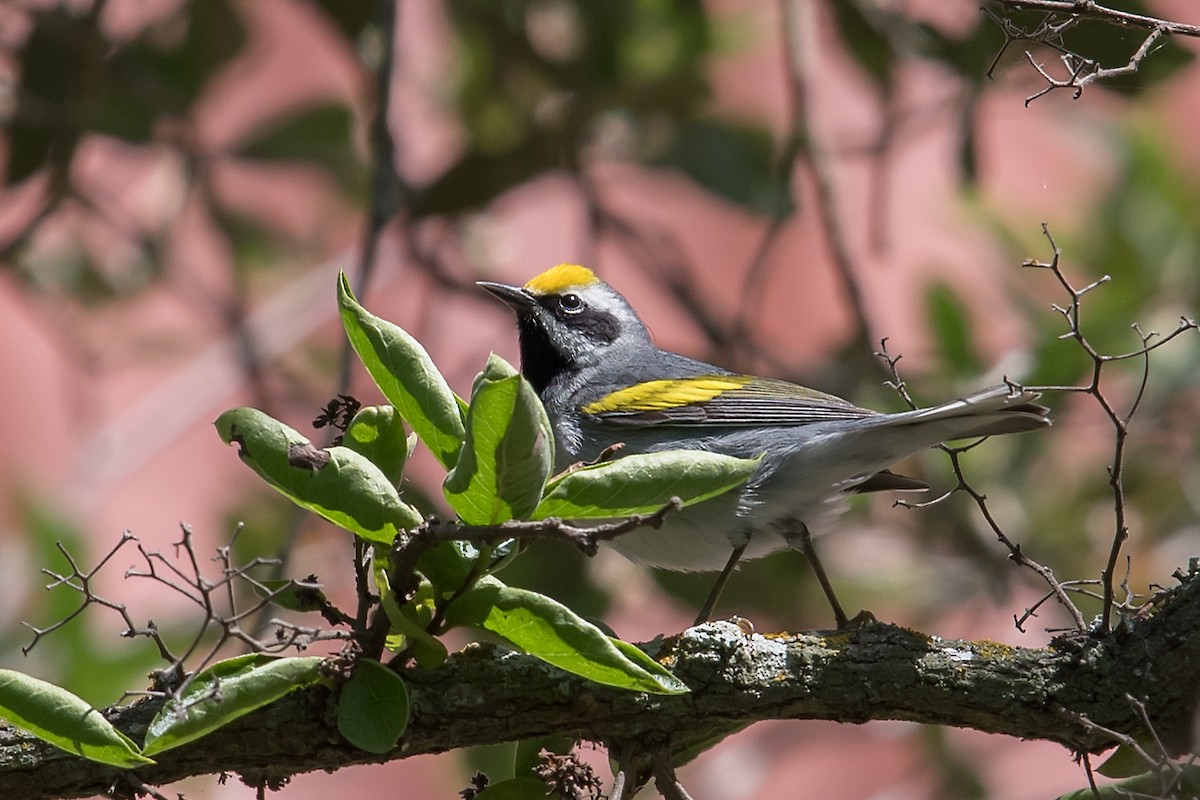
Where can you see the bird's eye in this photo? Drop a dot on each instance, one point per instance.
(570, 303)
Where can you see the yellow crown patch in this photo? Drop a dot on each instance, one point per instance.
(560, 278)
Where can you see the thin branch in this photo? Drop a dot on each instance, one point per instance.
(796, 16)
(587, 538)
(1073, 314)
(1015, 553)
(1094, 10)
(1063, 15)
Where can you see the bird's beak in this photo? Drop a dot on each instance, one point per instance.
(514, 297)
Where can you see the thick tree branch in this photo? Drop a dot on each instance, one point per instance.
(486, 695)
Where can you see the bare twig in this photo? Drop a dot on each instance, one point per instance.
(807, 145)
(667, 783)
(586, 538)
(1015, 553)
(1073, 313)
(1062, 16)
(1095, 10)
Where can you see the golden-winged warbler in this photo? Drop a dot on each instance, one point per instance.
(603, 381)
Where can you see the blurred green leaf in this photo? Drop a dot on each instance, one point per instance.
(731, 162)
(508, 451)
(303, 596)
(950, 320)
(226, 691)
(373, 707)
(863, 36)
(524, 788)
(539, 79)
(643, 483)
(1149, 784)
(526, 755)
(1124, 762)
(322, 136)
(164, 71)
(552, 632)
(968, 55)
(62, 69)
(350, 16)
(406, 375)
(336, 483)
(66, 721)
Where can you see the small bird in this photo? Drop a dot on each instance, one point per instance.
(591, 360)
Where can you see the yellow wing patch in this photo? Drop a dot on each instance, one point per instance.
(663, 394)
(560, 278)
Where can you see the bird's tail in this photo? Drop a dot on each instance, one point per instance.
(989, 412)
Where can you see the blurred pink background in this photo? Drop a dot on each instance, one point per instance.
(108, 411)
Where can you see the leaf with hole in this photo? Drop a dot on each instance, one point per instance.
(336, 483)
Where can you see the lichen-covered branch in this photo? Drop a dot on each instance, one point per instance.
(1069, 693)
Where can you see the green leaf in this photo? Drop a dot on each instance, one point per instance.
(643, 483)
(525, 788)
(350, 16)
(1123, 763)
(1148, 784)
(65, 720)
(448, 566)
(406, 375)
(377, 432)
(410, 621)
(225, 691)
(548, 630)
(527, 754)
(950, 320)
(336, 483)
(742, 173)
(508, 452)
(373, 707)
(294, 595)
(864, 37)
(320, 135)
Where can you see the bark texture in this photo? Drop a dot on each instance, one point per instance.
(485, 695)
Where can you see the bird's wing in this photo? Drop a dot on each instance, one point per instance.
(726, 400)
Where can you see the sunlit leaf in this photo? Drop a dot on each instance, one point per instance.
(552, 632)
(643, 483)
(64, 720)
(377, 432)
(406, 375)
(508, 450)
(226, 691)
(336, 483)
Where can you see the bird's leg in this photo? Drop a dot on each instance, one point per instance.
(800, 536)
(711, 603)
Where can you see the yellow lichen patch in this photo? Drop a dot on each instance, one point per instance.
(990, 649)
(560, 278)
(664, 394)
(838, 639)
